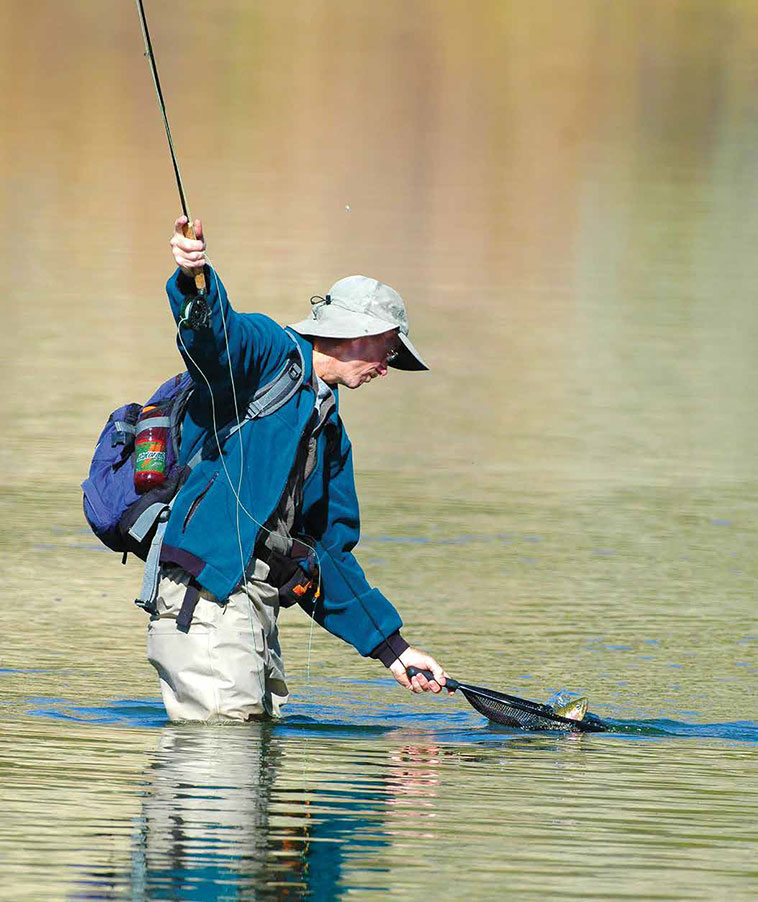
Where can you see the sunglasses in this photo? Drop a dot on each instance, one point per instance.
(394, 350)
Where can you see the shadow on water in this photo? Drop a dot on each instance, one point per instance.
(456, 726)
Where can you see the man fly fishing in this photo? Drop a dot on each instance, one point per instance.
(268, 514)
(235, 484)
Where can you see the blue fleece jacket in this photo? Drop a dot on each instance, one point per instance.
(210, 534)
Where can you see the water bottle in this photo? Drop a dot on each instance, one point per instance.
(150, 449)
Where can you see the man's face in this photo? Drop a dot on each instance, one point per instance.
(356, 361)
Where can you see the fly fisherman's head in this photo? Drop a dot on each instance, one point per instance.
(358, 330)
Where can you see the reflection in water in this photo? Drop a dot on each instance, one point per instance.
(216, 823)
(206, 831)
(204, 828)
(415, 783)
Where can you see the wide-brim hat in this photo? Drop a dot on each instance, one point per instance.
(358, 306)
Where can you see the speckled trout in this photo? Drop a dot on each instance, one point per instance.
(575, 709)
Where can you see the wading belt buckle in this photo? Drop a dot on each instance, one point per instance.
(149, 606)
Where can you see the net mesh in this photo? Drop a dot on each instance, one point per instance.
(508, 714)
(512, 712)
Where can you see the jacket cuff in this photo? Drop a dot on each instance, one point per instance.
(390, 649)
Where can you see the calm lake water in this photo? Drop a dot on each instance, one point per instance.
(565, 195)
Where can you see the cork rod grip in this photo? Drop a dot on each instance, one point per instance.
(189, 232)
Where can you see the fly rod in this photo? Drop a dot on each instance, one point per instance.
(194, 309)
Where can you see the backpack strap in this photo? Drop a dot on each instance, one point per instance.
(149, 592)
(271, 397)
(265, 401)
(327, 406)
(146, 520)
(123, 433)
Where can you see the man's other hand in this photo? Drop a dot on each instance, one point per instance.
(414, 657)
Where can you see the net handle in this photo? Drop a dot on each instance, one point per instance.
(450, 684)
(522, 704)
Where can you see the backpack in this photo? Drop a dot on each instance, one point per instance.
(112, 505)
(126, 521)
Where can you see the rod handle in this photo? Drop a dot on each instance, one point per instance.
(450, 683)
(189, 232)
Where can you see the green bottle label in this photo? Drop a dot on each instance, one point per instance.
(150, 458)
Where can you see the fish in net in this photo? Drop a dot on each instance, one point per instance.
(512, 711)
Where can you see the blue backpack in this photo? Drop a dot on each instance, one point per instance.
(126, 521)
(112, 505)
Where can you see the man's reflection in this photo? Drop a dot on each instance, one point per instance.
(413, 785)
(204, 832)
(224, 818)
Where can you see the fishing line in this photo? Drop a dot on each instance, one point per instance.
(236, 492)
(162, 105)
(239, 505)
(185, 210)
(239, 431)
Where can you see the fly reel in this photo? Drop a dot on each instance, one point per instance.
(196, 312)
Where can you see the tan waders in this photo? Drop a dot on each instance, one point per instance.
(228, 666)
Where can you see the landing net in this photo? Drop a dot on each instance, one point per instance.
(511, 712)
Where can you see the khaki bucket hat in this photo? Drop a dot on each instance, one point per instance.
(358, 306)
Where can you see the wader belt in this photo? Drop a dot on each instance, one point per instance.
(265, 401)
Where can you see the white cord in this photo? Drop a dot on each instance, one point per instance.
(239, 506)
